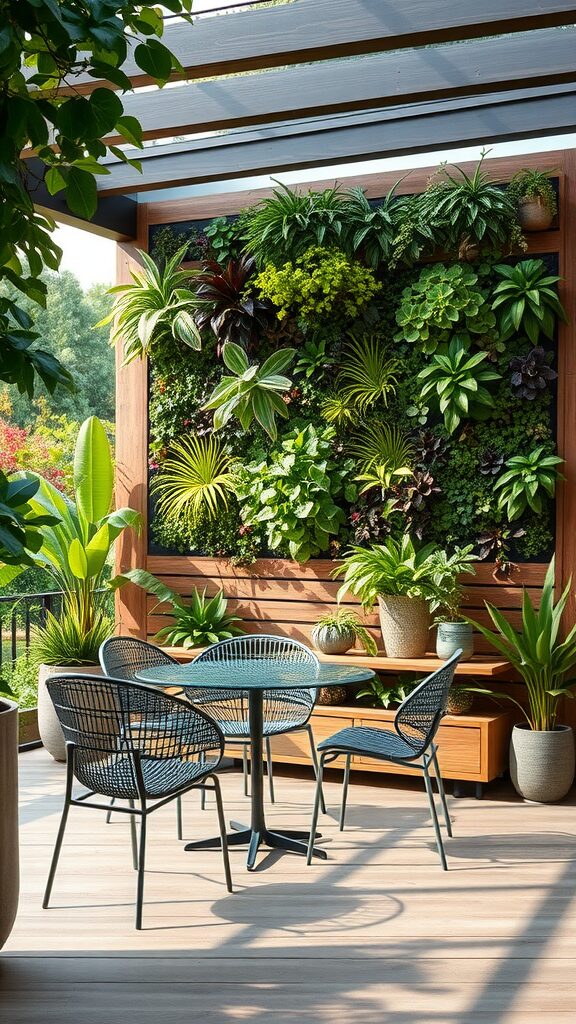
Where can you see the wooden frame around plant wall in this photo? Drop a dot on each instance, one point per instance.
(280, 596)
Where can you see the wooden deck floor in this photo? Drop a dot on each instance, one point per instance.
(376, 934)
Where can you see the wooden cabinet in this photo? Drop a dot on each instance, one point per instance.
(471, 748)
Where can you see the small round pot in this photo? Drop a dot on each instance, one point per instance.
(452, 635)
(534, 215)
(9, 875)
(405, 625)
(542, 763)
(329, 695)
(459, 701)
(333, 639)
(48, 724)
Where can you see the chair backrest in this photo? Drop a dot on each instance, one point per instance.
(126, 735)
(418, 717)
(121, 657)
(261, 646)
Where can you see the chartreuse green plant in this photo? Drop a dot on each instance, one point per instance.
(526, 300)
(159, 305)
(322, 284)
(196, 622)
(368, 375)
(254, 392)
(384, 454)
(395, 568)
(443, 300)
(76, 547)
(544, 661)
(454, 383)
(525, 481)
(293, 494)
(195, 478)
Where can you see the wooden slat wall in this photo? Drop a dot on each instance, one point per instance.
(278, 596)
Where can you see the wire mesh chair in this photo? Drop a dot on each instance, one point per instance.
(111, 751)
(411, 744)
(284, 710)
(121, 657)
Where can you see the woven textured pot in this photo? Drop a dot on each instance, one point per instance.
(452, 635)
(405, 625)
(542, 763)
(9, 875)
(48, 724)
(333, 639)
(328, 695)
(534, 215)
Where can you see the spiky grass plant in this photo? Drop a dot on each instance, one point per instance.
(368, 374)
(385, 453)
(64, 640)
(196, 477)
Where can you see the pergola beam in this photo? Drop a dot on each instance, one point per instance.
(472, 68)
(392, 132)
(313, 30)
(115, 217)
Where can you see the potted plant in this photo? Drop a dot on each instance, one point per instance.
(381, 693)
(535, 198)
(453, 629)
(75, 551)
(401, 579)
(541, 750)
(338, 631)
(9, 875)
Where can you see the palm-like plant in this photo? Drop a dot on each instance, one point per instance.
(196, 476)
(254, 391)
(525, 480)
(395, 568)
(370, 228)
(338, 409)
(385, 453)
(159, 305)
(283, 226)
(368, 374)
(227, 305)
(526, 300)
(541, 659)
(454, 382)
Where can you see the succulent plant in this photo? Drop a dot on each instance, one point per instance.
(490, 463)
(532, 373)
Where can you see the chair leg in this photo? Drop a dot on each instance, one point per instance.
(245, 768)
(442, 792)
(133, 838)
(315, 764)
(345, 791)
(109, 813)
(61, 830)
(179, 817)
(269, 770)
(201, 758)
(141, 865)
(315, 812)
(434, 816)
(222, 826)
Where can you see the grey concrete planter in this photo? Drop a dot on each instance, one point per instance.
(405, 625)
(542, 763)
(333, 639)
(10, 872)
(450, 636)
(48, 724)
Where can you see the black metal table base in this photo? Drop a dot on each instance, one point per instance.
(294, 841)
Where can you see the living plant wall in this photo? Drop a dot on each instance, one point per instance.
(328, 370)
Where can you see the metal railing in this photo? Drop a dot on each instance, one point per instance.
(18, 613)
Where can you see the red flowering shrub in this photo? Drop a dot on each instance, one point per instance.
(24, 448)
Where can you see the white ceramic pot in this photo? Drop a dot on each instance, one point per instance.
(9, 872)
(542, 763)
(48, 724)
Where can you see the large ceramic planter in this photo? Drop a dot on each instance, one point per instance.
(48, 724)
(450, 636)
(534, 215)
(333, 639)
(9, 870)
(405, 625)
(542, 763)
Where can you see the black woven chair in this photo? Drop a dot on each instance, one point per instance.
(121, 657)
(411, 744)
(111, 751)
(284, 711)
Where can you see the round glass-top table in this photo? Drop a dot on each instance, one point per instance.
(250, 677)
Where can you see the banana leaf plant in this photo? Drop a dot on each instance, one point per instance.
(196, 622)
(78, 535)
(545, 662)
